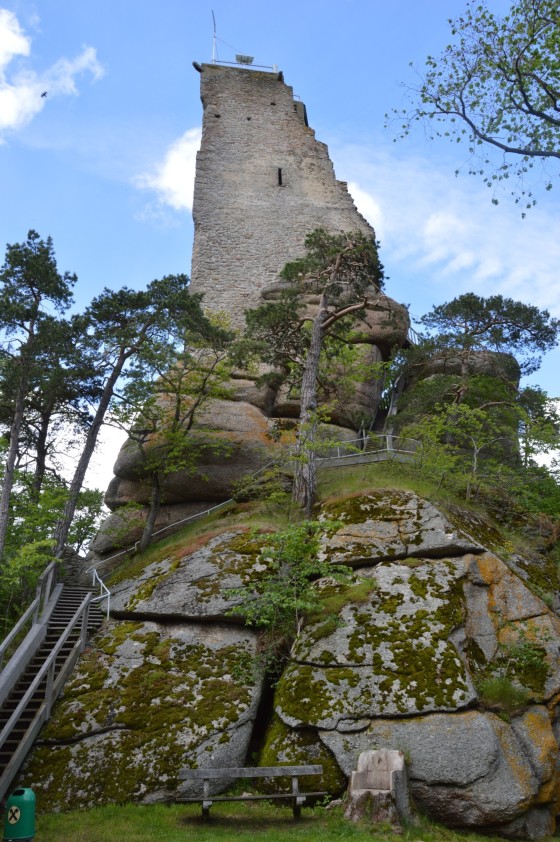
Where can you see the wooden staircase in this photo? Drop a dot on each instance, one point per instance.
(42, 663)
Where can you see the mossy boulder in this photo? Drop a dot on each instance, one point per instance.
(288, 746)
(389, 524)
(143, 702)
(470, 769)
(389, 655)
(407, 652)
(195, 585)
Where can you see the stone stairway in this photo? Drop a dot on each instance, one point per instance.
(68, 603)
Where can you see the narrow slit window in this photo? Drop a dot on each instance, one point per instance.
(279, 176)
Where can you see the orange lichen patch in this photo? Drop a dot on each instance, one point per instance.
(509, 599)
(550, 792)
(520, 768)
(551, 705)
(538, 727)
(490, 567)
(540, 630)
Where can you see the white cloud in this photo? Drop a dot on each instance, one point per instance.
(173, 178)
(443, 236)
(13, 42)
(20, 91)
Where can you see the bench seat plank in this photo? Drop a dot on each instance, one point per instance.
(297, 798)
(249, 772)
(251, 797)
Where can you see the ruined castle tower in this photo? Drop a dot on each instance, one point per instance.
(263, 182)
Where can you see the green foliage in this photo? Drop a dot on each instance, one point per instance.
(29, 538)
(539, 424)
(168, 386)
(20, 575)
(31, 289)
(521, 671)
(479, 431)
(471, 323)
(355, 257)
(278, 332)
(34, 517)
(458, 441)
(341, 271)
(495, 88)
(285, 593)
(272, 486)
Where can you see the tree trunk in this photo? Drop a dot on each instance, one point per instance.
(9, 469)
(63, 526)
(155, 503)
(305, 473)
(41, 453)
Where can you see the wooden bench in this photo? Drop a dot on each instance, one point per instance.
(234, 773)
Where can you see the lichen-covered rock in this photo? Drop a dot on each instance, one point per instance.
(196, 585)
(432, 645)
(388, 655)
(145, 701)
(509, 630)
(391, 524)
(467, 769)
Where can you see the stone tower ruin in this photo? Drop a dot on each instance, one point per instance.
(263, 182)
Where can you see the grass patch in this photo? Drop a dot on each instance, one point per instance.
(258, 822)
(502, 693)
(397, 475)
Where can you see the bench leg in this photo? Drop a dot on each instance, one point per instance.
(206, 810)
(296, 808)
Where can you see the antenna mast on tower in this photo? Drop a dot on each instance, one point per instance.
(214, 48)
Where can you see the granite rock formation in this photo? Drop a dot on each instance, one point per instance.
(401, 658)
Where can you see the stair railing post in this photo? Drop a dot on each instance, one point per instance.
(49, 690)
(83, 634)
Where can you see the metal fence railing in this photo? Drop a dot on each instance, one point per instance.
(43, 593)
(383, 445)
(45, 687)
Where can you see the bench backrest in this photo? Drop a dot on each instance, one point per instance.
(249, 772)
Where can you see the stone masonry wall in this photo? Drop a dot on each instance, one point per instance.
(262, 183)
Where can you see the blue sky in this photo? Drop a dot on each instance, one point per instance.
(105, 162)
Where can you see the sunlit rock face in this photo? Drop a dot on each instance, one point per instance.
(402, 655)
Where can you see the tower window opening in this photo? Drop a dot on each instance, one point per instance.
(279, 176)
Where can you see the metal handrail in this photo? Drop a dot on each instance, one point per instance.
(361, 446)
(104, 592)
(359, 450)
(43, 591)
(53, 686)
(134, 547)
(413, 336)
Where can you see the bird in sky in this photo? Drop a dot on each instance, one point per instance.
(44, 94)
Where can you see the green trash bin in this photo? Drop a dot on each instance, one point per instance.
(19, 818)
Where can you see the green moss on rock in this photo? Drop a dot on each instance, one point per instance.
(142, 703)
(287, 746)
